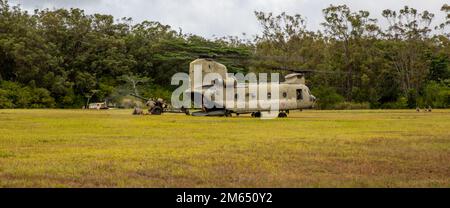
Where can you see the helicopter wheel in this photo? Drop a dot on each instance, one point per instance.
(228, 114)
(256, 114)
(185, 111)
(282, 115)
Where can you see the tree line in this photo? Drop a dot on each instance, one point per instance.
(62, 58)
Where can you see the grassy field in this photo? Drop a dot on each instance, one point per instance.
(370, 148)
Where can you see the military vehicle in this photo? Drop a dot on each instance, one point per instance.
(155, 106)
(293, 93)
(98, 106)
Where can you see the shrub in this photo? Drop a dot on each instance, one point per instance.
(5, 102)
(41, 98)
(327, 97)
(401, 103)
(436, 95)
(13, 95)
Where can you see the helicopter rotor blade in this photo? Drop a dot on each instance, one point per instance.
(302, 71)
(269, 66)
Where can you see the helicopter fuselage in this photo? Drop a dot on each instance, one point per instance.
(245, 99)
(215, 90)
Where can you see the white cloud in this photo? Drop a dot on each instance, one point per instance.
(225, 17)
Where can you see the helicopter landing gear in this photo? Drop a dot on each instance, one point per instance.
(185, 111)
(256, 114)
(282, 115)
(228, 114)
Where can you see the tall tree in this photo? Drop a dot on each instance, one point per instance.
(346, 29)
(407, 37)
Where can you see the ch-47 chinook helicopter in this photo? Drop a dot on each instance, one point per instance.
(293, 93)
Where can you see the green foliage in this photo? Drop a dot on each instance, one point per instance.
(361, 62)
(328, 97)
(57, 58)
(436, 95)
(401, 103)
(5, 101)
(159, 92)
(13, 95)
(70, 54)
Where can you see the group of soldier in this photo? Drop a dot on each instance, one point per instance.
(427, 109)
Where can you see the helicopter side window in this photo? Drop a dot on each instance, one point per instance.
(299, 94)
(284, 94)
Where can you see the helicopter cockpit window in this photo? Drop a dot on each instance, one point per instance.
(284, 94)
(299, 94)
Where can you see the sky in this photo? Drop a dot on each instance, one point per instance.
(217, 18)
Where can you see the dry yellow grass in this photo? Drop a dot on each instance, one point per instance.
(370, 148)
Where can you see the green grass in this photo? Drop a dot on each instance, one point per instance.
(370, 148)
